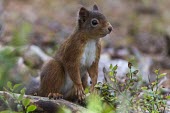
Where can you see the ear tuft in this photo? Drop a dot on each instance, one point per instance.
(82, 16)
(83, 12)
(95, 8)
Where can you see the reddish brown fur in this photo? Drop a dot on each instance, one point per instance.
(54, 75)
(46, 81)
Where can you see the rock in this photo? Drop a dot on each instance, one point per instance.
(105, 61)
(35, 57)
(20, 73)
(150, 44)
(144, 65)
(164, 85)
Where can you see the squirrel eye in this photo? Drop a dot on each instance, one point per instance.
(94, 22)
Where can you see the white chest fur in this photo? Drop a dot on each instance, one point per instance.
(89, 54)
(88, 57)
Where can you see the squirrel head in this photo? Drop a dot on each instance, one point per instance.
(93, 23)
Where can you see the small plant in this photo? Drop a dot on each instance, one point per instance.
(130, 96)
(10, 53)
(95, 105)
(23, 104)
(8, 59)
(152, 100)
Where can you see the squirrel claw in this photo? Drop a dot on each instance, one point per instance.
(55, 96)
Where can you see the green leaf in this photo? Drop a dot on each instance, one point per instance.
(20, 97)
(144, 88)
(31, 108)
(111, 73)
(162, 75)
(157, 71)
(23, 91)
(168, 97)
(111, 66)
(9, 84)
(86, 90)
(16, 86)
(64, 110)
(26, 102)
(112, 79)
(115, 67)
(154, 83)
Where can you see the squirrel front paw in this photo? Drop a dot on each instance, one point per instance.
(79, 92)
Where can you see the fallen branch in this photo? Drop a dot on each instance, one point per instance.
(43, 103)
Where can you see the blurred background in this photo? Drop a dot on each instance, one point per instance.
(32, 30)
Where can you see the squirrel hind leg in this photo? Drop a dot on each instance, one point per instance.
(52, 79)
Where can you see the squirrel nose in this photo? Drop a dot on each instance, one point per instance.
(110, 28)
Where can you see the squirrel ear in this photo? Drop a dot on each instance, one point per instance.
(95, 8)
(83, 14)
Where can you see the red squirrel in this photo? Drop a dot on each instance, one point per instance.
(66, 74)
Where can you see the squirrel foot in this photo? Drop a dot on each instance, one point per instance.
(55, 96)
(79, 91)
